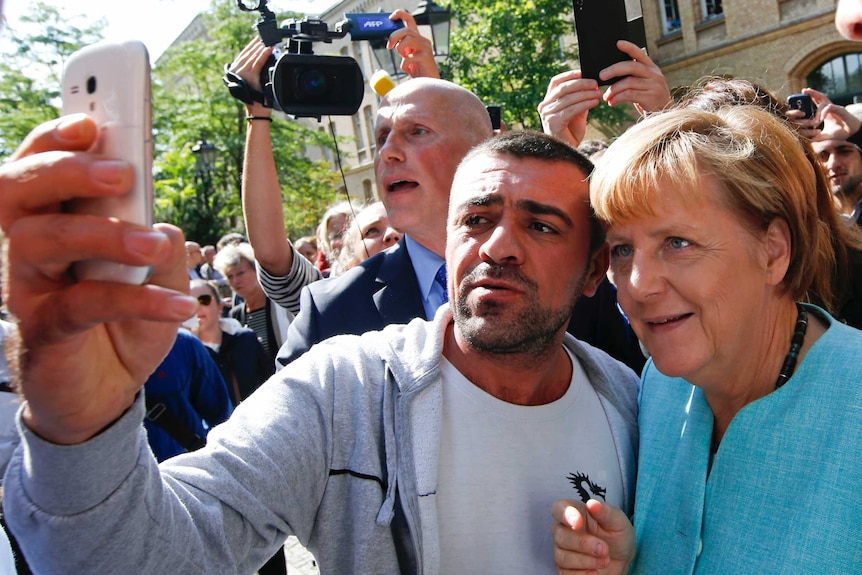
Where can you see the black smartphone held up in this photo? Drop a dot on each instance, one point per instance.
(494, 114)
(802, 102)
(599, 24)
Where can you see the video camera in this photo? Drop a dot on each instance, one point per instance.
(298, 82)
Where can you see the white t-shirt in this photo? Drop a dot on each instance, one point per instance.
(7, 562)
(503, 465)
(9, 440)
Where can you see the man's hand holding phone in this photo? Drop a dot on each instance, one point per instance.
(831, 121)
(86, 347)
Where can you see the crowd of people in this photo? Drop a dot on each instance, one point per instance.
(655, 341)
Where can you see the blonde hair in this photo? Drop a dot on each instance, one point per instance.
(232, 255)
(344, 208)
(763, 171)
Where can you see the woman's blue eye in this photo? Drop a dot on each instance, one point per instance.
(622, 251)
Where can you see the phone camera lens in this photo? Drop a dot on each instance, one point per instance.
(91, 84)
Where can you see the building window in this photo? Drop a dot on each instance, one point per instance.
(358, 133)
(357, 51)
(670, 16)
(711, 9)
(367, 192)
(839, 78)
(369, 125)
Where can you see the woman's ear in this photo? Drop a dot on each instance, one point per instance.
(778, 244)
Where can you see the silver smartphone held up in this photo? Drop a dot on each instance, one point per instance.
(110, 82)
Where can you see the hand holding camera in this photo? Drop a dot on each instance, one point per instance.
(296, 81)
(250, 66)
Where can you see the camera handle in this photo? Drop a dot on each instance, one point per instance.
(240, 90)
(301, 33)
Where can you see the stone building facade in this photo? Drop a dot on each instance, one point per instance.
(784, 45)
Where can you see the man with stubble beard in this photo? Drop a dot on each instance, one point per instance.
(432, 447)
(842, 161)
(424, 127)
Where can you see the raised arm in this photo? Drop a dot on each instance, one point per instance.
(261, 192)
(85, 348)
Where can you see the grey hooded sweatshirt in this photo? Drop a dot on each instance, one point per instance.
(339, 448)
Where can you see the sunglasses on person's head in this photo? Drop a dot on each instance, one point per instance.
(205, 299)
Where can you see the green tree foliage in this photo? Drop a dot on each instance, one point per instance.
(192, 104)
(31, 68)
(506, 51)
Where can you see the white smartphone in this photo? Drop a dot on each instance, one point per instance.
(110, 81)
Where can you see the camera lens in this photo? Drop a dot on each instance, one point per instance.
(305, 85)
(311, 83)
(91, 84)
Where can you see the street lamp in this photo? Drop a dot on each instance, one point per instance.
(388, 59)
(428, 13)
(205, 155)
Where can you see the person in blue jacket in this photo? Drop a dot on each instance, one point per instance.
(189, 386)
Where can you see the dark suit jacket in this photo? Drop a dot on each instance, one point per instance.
(598, 321)
(380, 291)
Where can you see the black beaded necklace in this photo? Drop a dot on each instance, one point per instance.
(786, 369)
(795, 346)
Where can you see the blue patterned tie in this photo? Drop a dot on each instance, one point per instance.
(440, 278)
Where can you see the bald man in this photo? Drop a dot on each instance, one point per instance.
(424, 128)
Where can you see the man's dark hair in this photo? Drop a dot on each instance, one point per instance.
(528, 144)
(590, 147)
(231, 238)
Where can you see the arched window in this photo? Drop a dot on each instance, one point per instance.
(840, 78)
